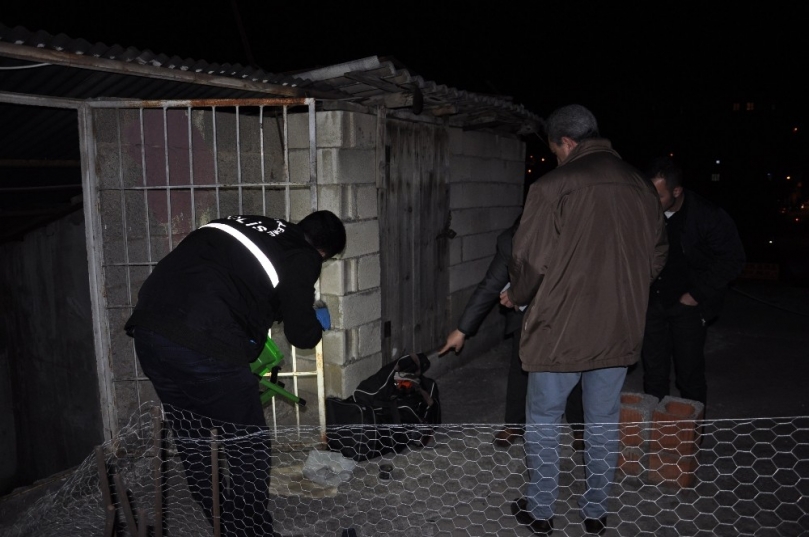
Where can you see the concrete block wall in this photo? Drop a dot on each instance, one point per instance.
(485, 196)
(487, 173)
(350, 283)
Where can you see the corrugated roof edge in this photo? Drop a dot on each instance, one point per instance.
(63, 43)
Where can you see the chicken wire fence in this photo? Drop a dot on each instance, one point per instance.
(730, 477)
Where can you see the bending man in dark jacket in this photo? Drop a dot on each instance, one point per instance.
(485, 295)
(202, 316)
(705, 255)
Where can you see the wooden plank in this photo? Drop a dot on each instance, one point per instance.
(413, 215)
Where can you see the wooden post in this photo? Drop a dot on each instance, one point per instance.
(123, 498)
(106, 495)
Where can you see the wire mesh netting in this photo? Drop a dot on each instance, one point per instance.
(720, 477)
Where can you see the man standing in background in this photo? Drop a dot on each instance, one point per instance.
(705, 255)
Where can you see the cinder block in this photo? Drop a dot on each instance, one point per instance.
(370, 339)
(472, 221)
(480, 245)
(359, 130)
(675, 425)
(672, 469)
(484, 194)
(636, 418)
(335, 277)
(512, 149)
(341, 381)
(335, 128)
(482, 144)
(455, 141)
(299, 167)
(368, 272)
(356, 309)
(467, 274)
(632, 461)
(336, 199)
(366, 204)
(347, 166)
(362, 238)
(337, 346)
(460, 168)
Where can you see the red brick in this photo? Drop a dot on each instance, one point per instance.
(675, 426)
(672, 469)
(632, 461)
(635, 418)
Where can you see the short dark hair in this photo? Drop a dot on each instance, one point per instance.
(324, 231)
(573, 121)
(667, 169)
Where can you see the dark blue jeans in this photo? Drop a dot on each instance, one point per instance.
(674, 333)
(200, 393)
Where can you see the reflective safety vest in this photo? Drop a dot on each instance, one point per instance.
(262, 258)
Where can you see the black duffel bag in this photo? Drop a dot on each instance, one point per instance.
(392, 409)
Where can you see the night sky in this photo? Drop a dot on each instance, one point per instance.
(545, 55)
(661, 77)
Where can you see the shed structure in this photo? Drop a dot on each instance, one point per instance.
(109, 156)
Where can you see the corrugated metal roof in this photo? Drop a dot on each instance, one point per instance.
(37, 138)
(378, 81)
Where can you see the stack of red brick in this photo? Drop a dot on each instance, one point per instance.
(660, 440)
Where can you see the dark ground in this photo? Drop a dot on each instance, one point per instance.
(758, 365)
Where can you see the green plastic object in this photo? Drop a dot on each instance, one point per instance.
(266, 366)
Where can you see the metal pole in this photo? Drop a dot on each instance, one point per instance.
(157, 428)
(217, 514)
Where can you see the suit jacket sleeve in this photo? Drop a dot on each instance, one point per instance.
(297, 299)
(718, 240)
(533, 247)
(487, 293)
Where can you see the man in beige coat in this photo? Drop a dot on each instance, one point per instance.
(591, 241)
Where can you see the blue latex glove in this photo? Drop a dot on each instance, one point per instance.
(322, 313)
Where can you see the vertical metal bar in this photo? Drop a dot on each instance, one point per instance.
(157, 469)
(215, 162)
(261, 154)
(287, 179)
(319, 362)
(239, 160)
(321, 390)
(191, 171)
(295, 388)
(95, 256)
(217, 514)
(312, 154)
(125, 237)
(168, 178)
(274, 408)
(145, 191)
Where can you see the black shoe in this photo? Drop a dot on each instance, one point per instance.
(539, 526)
(595, 525)
(507, 436)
